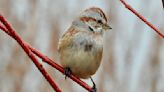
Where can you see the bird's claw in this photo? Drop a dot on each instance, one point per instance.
(94, 89)
(67, 72)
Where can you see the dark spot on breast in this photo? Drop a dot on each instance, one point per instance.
(88, 47)
(81, 43)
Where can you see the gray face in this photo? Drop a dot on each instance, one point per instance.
(92, 19)
(95, 20)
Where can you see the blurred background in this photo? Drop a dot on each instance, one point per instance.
(133, 58)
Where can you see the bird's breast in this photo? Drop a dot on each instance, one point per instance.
(84, 56)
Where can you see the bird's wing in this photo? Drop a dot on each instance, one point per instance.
(67, 39)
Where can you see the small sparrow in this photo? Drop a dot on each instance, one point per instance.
(81, 46)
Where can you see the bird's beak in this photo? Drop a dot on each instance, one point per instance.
(106, 27)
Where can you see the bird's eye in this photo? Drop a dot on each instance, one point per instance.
(99, 21)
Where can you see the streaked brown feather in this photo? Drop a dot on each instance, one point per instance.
(86, 19)
(66, 39)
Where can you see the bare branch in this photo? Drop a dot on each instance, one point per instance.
(142, 18)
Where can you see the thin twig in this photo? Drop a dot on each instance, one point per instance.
(142, 18)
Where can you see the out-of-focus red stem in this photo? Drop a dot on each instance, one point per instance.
(163, 3)
(45, 59)
(142, 18)
(12, 33)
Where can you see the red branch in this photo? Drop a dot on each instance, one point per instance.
(13, 34)
(30, 51)
(142, 18)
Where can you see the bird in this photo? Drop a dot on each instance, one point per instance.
(81, 46)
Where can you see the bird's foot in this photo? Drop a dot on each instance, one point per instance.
(94, 89)
(67, 72)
